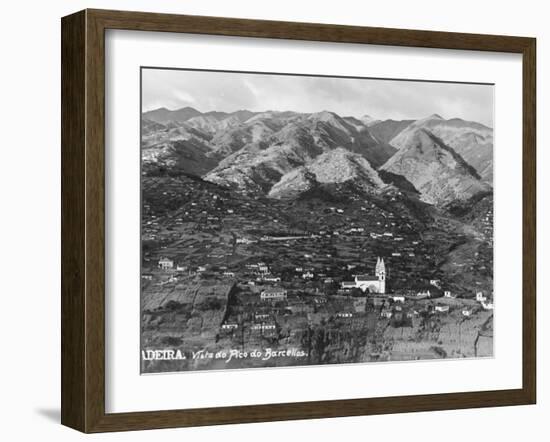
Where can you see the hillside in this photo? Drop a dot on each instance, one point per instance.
(336, 166)
(439, 173)
(386, 130)
(473, 141)
(270, 145)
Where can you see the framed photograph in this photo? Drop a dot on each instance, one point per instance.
(266, 220)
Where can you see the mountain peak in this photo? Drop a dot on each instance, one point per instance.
(368, 120)
(324, 116)
(164, 115)
(434, 117)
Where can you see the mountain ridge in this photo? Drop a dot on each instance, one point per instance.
(259, 152)
(472, 140)
(436, 170)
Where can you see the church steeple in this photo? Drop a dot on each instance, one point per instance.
(380, 270)
(380, 267)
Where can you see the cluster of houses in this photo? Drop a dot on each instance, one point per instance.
(374, 286)
(485, 303)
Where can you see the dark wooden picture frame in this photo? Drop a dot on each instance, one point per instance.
(83, 220)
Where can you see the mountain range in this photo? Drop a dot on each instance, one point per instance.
(284, 154)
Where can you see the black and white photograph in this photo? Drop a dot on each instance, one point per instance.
(299, 220)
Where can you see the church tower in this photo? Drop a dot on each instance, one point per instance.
(380, 272)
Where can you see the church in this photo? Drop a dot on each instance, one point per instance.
(376, 284)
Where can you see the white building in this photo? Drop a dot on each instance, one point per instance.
(480, 297)
(263, 327)
(423, 294)
(272, 279)
(376, 284)
(166, 264)
(229, 326)
(344, 315)
(275, 293)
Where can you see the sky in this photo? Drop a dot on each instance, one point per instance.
(380, 99)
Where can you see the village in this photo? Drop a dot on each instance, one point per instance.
(359, 267)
